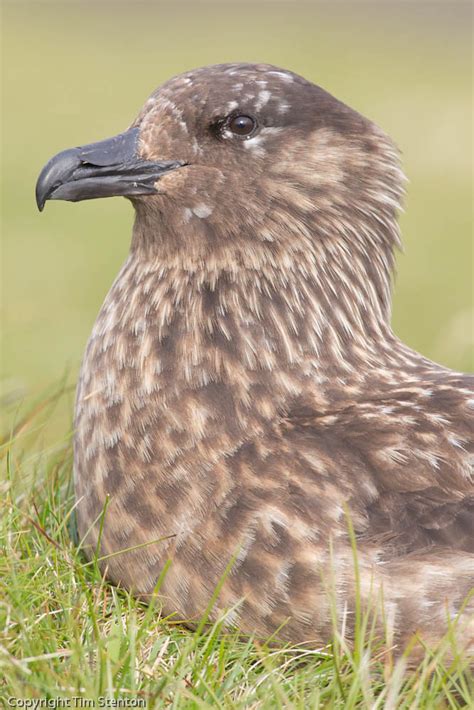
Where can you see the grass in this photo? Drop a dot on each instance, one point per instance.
(65, 632)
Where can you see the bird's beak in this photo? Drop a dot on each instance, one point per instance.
(104, 169)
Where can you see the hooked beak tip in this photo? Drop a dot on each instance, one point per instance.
(40, 202)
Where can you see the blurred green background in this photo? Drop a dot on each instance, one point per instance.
(76, 72)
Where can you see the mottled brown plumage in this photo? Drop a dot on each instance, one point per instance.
(242, 386)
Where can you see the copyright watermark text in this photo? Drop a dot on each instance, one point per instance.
(75, 702)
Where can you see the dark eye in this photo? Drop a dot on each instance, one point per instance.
(242, 125)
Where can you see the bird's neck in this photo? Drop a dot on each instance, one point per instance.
(263, 334)
(207, 358)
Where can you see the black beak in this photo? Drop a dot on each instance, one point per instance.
(104, 169)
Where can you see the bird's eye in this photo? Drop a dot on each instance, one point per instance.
(242, 125)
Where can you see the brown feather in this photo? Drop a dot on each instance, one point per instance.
(242, 384)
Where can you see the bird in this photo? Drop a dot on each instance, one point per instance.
(246, 419)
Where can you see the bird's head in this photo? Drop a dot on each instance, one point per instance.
(246, 159)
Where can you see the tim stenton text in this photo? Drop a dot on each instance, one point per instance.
(76, 702)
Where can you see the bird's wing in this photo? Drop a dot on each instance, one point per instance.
(403, 461)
